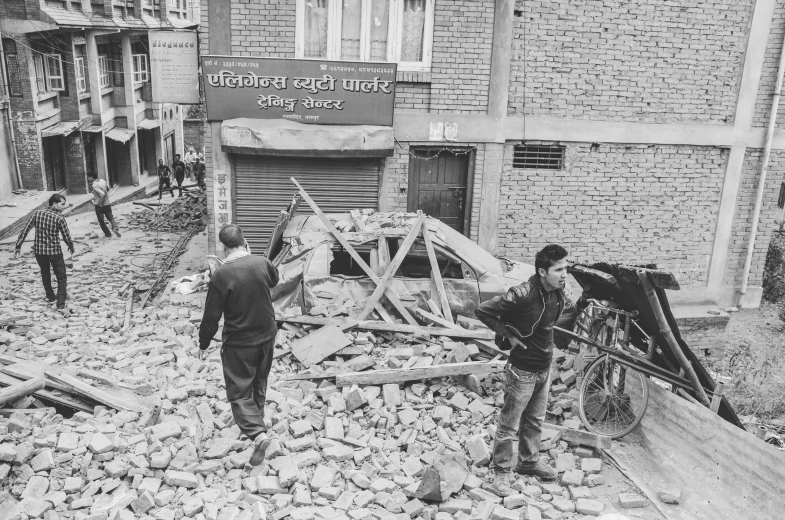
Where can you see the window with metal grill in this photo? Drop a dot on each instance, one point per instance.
(532, 157)
(781, 200)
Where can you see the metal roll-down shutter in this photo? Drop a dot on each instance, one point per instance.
(263, 189)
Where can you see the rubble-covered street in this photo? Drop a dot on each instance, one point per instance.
(163, 444)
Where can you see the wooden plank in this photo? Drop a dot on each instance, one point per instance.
(716, 399)
(22, 389)
(488, 347)
(380, 326)
(80, 388)
(389, 273)
(434, 308)
(128, 305)
(319, 344)
(584, 438)
(400, 375)
(391, 295)
(437, 275)
(52, 395)
(10, 411)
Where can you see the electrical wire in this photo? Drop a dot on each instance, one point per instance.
(434, 153)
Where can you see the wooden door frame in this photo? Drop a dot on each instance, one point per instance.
(471, 156)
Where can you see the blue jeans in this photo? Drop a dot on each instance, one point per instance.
(525, 402)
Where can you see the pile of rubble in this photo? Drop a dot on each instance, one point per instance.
(186, 212)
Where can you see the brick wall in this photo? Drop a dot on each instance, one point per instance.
(28, 152)
(742, 218)
(635, 203)
(76, 174)
(462, 43)
(642, 60)
(413, 97)
(263, 28)
(768, 77)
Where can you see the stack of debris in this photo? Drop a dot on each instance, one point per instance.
(186, 212)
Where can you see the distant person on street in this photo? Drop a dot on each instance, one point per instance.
(178, 167)
(189, 159)
(103, 207)
(164, 179)
(523, 320)
(240, 292)
(199, 173)
(49, 224)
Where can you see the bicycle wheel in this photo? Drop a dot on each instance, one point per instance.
(613, 398)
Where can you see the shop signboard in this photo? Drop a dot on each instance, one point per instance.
(304, 91)
(174, 67)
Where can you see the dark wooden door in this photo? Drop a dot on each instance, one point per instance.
(438, 185)
(113, 149)
(54, 163)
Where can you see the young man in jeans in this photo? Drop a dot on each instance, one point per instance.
(49, 224)
(164, 179)
(103, 207)
(523, 320)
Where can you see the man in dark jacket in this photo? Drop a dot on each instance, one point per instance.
(240, 291)
(523, 320)
(178, 168)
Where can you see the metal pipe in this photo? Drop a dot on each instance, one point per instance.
(7, 109)
(775, 103)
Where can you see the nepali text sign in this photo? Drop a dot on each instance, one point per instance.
(174, 66)
(304, 91)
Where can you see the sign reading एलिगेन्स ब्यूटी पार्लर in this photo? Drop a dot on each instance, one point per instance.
(304, 91)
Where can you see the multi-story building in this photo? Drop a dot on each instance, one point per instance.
(79, 86)
(627, 131)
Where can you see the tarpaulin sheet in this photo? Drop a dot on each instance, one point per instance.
(722, 471)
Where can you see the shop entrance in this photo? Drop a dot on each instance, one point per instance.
(438, 185)
(54, 163)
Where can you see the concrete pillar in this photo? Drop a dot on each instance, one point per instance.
(93, 76)
(492, 167)
(75, 165)
(219, 187)
(129, 109)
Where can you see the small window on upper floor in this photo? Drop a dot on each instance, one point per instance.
(141, 71)
(81, 76)
(399, 31)
(103, 71)
(55, 80)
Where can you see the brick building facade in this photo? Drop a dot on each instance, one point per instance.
(643, 122)
(79, 90)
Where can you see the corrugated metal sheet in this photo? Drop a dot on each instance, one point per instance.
(722, 471)
(263, 189)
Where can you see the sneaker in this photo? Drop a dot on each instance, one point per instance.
(63, 308)
(108, 236)
(51, 299)
(117, 232)
(538, 469)
(260, 448)
(498, 483)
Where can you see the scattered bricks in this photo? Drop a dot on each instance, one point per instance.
(412, 466)
(143, 503)
(361, 480)
(515, 501)
(100, 444)
(301, 444)
(269, 485)
(180, 479)
(482, 495)
(150, 484)
(558, 389)
(471, 482)
(572, 477)
(287, 475)
(72, 485)
(43, 461)
(530, 512)
(392, 395)
(161, 459)
(551, 489)
(219, 449)
(166, 429)
(459, 401)
(413, 508)
(455, 505)
(670, 495)
(338, 453)
(34, 507)
(631, 500)
(563, 505)
(584, 452)
(306, 458)
(164, 497)
(333, 428)
(589, 507)
(300, 428)
(337, 403)
(564, 462)
(116, 469)
(322, 477)
(81, 503)
(407, 416)
(355, 399)
(579, 492)
(568, 377)
(594, 480)
(36, 487)
(316, 419)
(502, 513)
(442, 414)
(67, 441)
(478, 450)
(591, 465)
(193, 506)
(7, 452)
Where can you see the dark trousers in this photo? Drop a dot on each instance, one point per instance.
(57, 263)
(180, 177)
(200, 178)
(245, 374)
(106, 211)
(164, 184)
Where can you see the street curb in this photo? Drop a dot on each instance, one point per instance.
(87, 206)
(17, 226)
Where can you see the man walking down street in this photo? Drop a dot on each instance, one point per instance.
(164, 179)
(103, 207)
(240, 291)
(523, 320)
(199, 173)
(49, 224)
(190, 157)
(178, 167)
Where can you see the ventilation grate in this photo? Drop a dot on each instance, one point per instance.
(531, 157)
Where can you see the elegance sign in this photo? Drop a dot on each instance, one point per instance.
(305, 91)
(174, 67)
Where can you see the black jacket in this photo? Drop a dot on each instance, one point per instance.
(518, 313)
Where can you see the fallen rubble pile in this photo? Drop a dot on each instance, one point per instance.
(186, 212)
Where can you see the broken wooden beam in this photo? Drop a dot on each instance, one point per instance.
(10, 411)
(380, 326)
(437, 275)
(83, 389)
(320, 344)
(400, 375)
(488, 347)
(25, 388)
(582, 437)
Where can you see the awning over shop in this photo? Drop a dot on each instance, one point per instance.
(93, 129)
(62, 128)
(283, 137)
(148, 124)
(121, 135)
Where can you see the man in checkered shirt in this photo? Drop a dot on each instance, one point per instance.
(49, 223)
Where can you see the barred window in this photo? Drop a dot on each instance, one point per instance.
(12, 68)
(533, 157)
